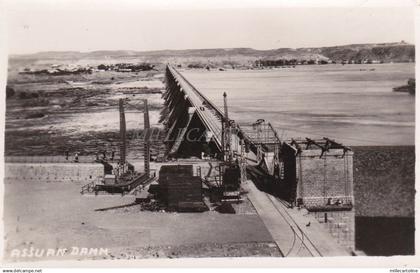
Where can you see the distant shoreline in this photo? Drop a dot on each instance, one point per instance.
(377, 52)
(159, 51)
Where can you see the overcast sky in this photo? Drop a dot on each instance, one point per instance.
(34, 26)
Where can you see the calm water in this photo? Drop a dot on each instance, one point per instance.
(385, 236)
(353, 104)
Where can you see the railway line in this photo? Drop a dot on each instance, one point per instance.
(300, 239)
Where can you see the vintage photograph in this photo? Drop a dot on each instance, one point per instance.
(140, 131)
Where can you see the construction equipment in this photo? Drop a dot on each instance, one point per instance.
(227, 138)
(124, 179)
(146, 139)
(268, 146)
(123, 141)
(180, 190)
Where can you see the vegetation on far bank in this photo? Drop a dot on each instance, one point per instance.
(410, 87)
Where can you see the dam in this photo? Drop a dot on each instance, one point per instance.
(300, 188)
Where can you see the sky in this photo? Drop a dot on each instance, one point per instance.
(47, 25)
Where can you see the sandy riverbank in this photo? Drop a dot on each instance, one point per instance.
(63, 218)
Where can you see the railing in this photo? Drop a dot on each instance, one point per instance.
(90, 187)
(49, 159)
(209, 102)
(210, 118)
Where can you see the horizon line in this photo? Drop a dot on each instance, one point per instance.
(402, 42)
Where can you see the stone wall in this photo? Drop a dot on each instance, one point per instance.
(323, 177)
(340, 224)
(54, 172)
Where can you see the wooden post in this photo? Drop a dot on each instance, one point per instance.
(122, 134)
(147, 139)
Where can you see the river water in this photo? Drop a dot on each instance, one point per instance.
(353, 104)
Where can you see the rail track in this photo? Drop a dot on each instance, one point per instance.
(300, 239)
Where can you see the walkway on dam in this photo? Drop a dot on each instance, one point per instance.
(50, 159)
(296, 233)
(208, 112)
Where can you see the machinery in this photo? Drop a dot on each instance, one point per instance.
(123, 178)
(225, 183)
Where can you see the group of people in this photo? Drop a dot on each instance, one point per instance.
(104, 156)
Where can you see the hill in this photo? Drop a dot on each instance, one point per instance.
(385, 52)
